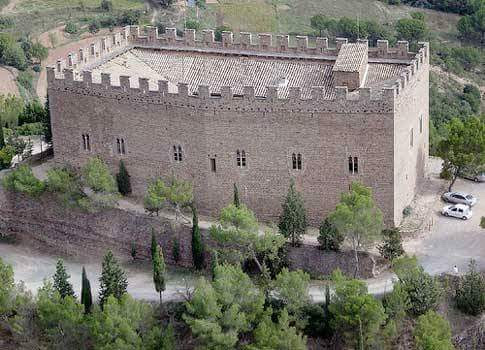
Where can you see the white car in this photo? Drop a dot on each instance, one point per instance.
(460, 211)
(459, 198)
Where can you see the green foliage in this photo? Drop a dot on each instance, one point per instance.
(10, 109)
(113, 280)
(470, 293)
(192, 24)
(292, 222)
(351, 28)
(270, 335)
(94, 26)
(397, 302)
(2, 138)
(432, 332)
(463, 147)
(122, 324)
(106, 5)
(133, 250)
(219, 312)
(358, 218)
(159, 271)
(61, 283)
(60, 319)
(30, 129)
(218, 32)
(472, 26)
(176, 249)
(198, 248)
(11, 53)
(123, 180)
(357, 315)
(236, 200)
(239, 240)
(23, 180)
(86, 296)
(329, 237)
(6, 287)
(482, 222)
(411, 29)
(391, 248)
(176, 193)
(71, 28)
(472, 95)
(153, 245)
(96, 175)
(291, 289)
(422, 289)
(24, 78)
(6, 155)
(62, 180)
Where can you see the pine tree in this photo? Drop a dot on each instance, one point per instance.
(197, 244)
(237, 203)
(2, 139)
(86, 296)
(113, 279)
(123, 180)
(153, 245)
(391, 248)
(61, 283)
(159, 272)
(329, 237)
(293, 223)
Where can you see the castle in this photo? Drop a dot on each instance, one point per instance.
(252, 111)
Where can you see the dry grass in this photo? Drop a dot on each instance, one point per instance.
(43, 5)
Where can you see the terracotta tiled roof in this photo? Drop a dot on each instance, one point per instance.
(350, 57)
(215, 71)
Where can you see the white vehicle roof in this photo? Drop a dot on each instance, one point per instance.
(461, 206)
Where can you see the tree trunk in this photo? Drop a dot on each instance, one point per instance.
(356, 256)
(453, 179)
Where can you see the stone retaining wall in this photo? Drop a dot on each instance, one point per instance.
(73, 232)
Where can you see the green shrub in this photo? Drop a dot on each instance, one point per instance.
(407, 211)
(23, 180)
(61, 180)
(470, 293)
(432, 332)
(106, 5)
(36, 68)
(25, 80)
(329, 237)
(94, 26)
(71, 28)
(6, 155)
(30, 129)
(391, 248)
(192, 24)
(96, 175)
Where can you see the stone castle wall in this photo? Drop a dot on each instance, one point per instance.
(363, 124)
(74, 232)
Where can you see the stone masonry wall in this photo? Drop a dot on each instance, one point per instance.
(74, 232)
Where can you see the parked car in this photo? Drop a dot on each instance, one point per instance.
(477, 175)
(459, 198)
(460, 211)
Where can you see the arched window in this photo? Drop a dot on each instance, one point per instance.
(175, 154)
(123, 146)
(243, 158)
(180, 153)
(296, 161)
(238, 158)
(86, 142)
(353, 165)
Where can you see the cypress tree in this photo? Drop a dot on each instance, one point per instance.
(113, 279)
(153, 245)
(237, 203)
(2, 138)
(86, 296)
(293, 223)
(197, 244)
(46, 121)
(329, 237)
(61, 283)
(214, 263)
(159, 271)
(123, 180)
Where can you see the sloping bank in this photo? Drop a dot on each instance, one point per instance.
(75, 232)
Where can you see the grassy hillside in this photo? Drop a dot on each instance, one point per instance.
(286, 16)
(43, 5)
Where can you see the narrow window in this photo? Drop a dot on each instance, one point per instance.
(84, 142)
(356, 165)
(88, 144)
(180, 153)
(238, 158)
(175, 153)
(411, 138)
(298, 161)
(351, 165)
(213, 165)
(293, 159)
(123, 146)
(118, 146)
(421, 124)
(243, 158)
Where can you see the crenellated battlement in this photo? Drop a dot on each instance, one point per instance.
(73, 73)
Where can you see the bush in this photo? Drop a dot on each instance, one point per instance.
(30, 129)
(6, 155)
(192, 24)
(391, 248)
(470, 293)
(25, 80)
(71, 28)
(106, 5)
(96, 175)
(219, 30)
(11, 53)
(432, 332)
(23, 180)
(329, 237)
(36, 68)
(130, 17)
(94, 26)
(61, 180)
